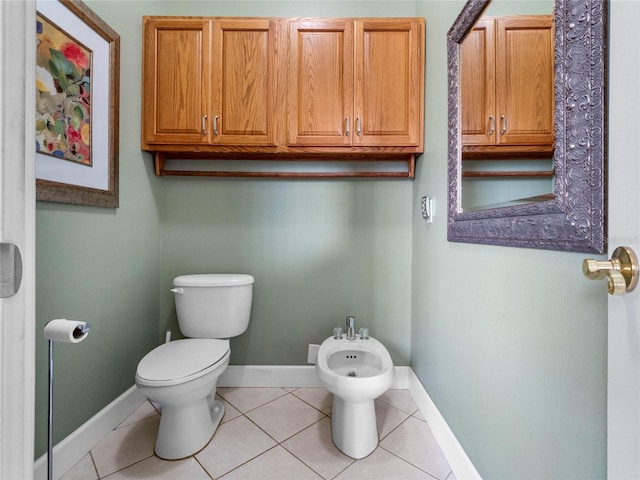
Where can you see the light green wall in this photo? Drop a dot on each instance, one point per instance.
(319, 251)
(510, 343)
(519, 7)
(101, 266)
(291, 8)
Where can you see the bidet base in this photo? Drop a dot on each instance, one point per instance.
(353, 427)
(187, 429)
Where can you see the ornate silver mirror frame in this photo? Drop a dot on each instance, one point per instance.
(575, 220)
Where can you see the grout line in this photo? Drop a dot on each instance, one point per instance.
(93, 462)
(341, 471)
(202, 466)
(397, 426)
(407, 461)
(305, 463)
(128, 466)
(404, 459)
(254, 408)
(313, 406)
(263, 431)
(244, 463)
(290, 436)
(417, 409)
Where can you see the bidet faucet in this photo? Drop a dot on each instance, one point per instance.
(351, 328)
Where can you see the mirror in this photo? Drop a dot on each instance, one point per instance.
(572, 217)
(507, 104)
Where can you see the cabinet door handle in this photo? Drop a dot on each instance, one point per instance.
(503, 121)
(358, 127)
(215, 125)
(348, 127)
(492, 124)
(204, 125)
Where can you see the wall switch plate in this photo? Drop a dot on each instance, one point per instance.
(426, 207)
(312, 354)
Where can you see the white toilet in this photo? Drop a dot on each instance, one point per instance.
(356, 371)
(181, 375)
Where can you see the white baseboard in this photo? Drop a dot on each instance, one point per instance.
(73, 448)
(269, 376)
(287, 376)
(453, 451)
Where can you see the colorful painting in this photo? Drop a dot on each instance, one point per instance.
(63, 95)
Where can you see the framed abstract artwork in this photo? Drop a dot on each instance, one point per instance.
(77, 99)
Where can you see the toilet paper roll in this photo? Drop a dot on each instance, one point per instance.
(69, 331)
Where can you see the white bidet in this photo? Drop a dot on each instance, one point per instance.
(356, 372)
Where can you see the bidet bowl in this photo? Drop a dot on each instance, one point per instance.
(356, 370)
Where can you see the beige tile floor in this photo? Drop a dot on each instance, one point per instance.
(274, 433)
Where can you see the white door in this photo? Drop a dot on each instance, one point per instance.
(17, 227)
(623, 398)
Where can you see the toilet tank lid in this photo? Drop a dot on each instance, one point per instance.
(213, 280)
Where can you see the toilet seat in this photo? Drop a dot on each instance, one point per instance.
(180, 361)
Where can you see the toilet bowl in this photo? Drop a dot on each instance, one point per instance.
(356, 372)
(181, 375)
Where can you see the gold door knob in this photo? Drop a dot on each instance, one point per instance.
(621, 271)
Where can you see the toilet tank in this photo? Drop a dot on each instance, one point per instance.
(213, 305)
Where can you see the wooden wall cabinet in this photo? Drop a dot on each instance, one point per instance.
(320, 64)
(208, 81)
(293, 89)
(507, 75)
(356, 82)
(244, 68)
(176, 81)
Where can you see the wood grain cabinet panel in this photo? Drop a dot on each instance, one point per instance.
(176, 80)
(507, 76)
(388, 82)
(478, 85)
(244, 63)
(320, 82)
(209, 81)
(356, 82)
(524, 79)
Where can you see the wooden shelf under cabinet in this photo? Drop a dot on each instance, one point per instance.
(509, 152)
(509, 174)
(161, 160)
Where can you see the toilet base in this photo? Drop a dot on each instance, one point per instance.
(353, 427)
(187, 429)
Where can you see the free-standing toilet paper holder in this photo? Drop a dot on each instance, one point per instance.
(67, 331)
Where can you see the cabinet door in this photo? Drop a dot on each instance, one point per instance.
(244, 82)
(524, 79)
(477, 85)
(320, 82)
(389, 79)
(176, 80)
